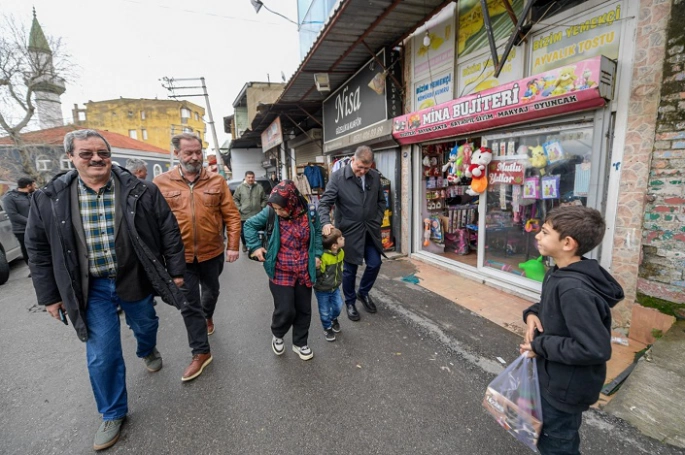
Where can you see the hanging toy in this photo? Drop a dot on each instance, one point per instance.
(426, 231)
(479, 162)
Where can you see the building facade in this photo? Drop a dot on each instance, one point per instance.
(570, 119)
(150, 121)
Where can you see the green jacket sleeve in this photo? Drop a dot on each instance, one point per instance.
(251, 228)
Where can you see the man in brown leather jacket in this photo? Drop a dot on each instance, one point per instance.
(203, 205)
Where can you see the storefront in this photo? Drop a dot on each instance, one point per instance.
(547, 134)
(274, 152)
(359, 113)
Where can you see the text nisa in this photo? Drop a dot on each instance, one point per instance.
(347, 102)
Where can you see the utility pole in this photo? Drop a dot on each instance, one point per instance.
(169, 81)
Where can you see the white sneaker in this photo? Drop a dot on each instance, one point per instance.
(277, 345)
(304, 352)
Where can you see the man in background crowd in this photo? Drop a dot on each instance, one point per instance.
(17, 204)
(250, 199)
(137, 167)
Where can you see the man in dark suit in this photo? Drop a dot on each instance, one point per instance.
(357, 195)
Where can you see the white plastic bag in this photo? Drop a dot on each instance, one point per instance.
(513, 399)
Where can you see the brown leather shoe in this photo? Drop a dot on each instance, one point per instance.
(198, 364)
(210, 326)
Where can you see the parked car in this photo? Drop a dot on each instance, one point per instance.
(9, 246)
(265, 182)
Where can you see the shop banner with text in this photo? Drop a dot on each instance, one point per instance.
(564, 90)
(598, 32)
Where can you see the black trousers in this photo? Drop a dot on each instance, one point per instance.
(292, 308)
(242, 232)
(20, 238)
(201, 288)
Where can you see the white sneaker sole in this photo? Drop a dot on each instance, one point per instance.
(277, 352)
(303, 356)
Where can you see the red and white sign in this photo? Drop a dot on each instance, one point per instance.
(582, 86)
(509, 172)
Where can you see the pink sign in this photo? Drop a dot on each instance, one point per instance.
(510, 172)
(581, 86)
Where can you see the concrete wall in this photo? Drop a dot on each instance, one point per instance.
(243, 160)
(649, 48)
(662, 270)
(261, 92)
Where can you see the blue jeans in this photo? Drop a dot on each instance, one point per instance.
(372, 257)
(330, 304)
(559, 434)
(103, 349)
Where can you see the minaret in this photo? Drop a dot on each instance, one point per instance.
(48, 87)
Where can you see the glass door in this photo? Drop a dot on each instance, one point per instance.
(532, 172)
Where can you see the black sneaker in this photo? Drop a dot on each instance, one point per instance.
(329, 335)
(336, 325)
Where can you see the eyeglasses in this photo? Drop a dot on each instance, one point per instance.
(101, 153)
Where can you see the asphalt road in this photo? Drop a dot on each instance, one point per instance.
(407, 380)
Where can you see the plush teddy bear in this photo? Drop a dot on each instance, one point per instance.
(476, 170)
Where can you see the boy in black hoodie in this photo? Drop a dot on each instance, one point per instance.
(569, 330)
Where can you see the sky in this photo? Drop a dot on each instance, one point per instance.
(121, 48)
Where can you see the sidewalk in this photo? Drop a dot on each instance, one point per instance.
(498, 307)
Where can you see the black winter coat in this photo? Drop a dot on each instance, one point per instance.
(357, 212)
(148, 246)
(575, 342)
(17, 205)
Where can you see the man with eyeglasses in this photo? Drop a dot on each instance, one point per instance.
(98, 238)
(204, 207)
(357, 195)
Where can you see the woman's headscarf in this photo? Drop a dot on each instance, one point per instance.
(287, 196)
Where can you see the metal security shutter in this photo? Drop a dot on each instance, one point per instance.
(307, 152)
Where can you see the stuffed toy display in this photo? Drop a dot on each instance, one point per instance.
(476, 171)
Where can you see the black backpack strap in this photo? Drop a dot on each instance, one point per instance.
(270, 221)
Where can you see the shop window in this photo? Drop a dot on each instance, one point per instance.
(449, 213)
(532, 174)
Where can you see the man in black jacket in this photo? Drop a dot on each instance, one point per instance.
(357, 195)
(98, 237)
(17, 203)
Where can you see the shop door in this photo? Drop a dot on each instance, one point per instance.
(532, 172)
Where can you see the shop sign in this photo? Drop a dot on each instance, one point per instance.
(363, 136)
(477, 74)
(438, 56)
(509, 172)
(585, 86)
(430, 92)
(364, 100)
(273, 135)
(471, 34)
(583, 38)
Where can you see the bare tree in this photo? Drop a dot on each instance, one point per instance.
(23, 72)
